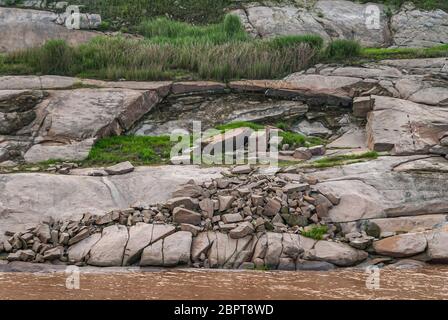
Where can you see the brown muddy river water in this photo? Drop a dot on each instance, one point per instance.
(426, 283)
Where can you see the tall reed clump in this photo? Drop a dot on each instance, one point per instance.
(342, 49)
(164, 30)
(134, 59)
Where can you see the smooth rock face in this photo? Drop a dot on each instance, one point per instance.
(437, 96)
(27, 197)
(329, 19)
(23, 29)
(365, 190)
(348, 20)
(272, 21)
(404, 127)
(337, 253)
(109, 250)
(73, 151)
(177, 249)
(404, 245)
(417, 28)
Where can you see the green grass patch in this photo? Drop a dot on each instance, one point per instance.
(315, 232)
(299, 140)
(344, 159)
(239, 124)
(404, 53)
(137, 149)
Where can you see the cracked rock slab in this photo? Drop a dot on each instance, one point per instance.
(171, 251)
(404, 127)
(109, 250)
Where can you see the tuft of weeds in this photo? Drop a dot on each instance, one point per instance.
(315, 232)
(344, 159)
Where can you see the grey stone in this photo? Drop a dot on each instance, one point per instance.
(225, 202)
(437, 249)
(337, 253)
(244, 169)
(231, 218)
(186, 202)
(272, 207)
(39, 28)
(317, 150)
(140, 236)
(418, 28)
(302, 154)
(120, 168)
(81, 235)
(244, 229)
(362, 106)
(182, 215)
(54, 253)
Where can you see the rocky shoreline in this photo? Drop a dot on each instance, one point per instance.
(372, 212)
(244, 220)
(381, 210)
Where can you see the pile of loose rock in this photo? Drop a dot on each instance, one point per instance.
(244, 203)
(240, 204)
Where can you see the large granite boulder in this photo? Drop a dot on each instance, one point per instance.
(417, 28)
(265, 21)
(403, 245)
(347, 20)
(23, 29)
(337, 253)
